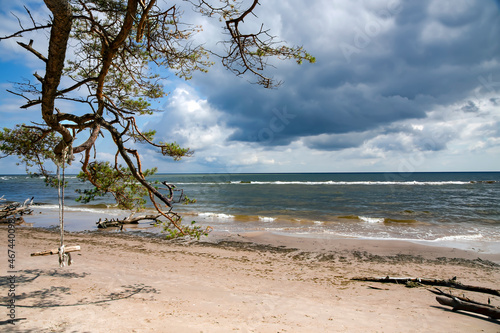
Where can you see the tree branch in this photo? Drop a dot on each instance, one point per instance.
(117, 138)
(32, 50)
(140, 26)
(75, 86)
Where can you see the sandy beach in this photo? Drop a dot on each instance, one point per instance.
(253, 282)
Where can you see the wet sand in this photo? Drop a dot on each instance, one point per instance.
(252, 282)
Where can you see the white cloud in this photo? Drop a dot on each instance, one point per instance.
(190, 121)
(449, 138)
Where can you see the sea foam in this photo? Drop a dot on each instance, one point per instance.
(372, 219)
(266, 219)
(216, 215)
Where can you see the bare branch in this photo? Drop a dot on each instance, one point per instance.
(35, 26)
(31, 17)
(18, 94)
(30, 48)
(38, 77)
(20, 32)
(249, 52)
(75, 86)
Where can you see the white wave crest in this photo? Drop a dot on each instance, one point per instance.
(459, 238)
(372, 219)
(331, 182)
(267, 219)
(216, 215)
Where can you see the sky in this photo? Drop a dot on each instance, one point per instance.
(398, 86)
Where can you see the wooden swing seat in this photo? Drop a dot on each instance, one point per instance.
(56, 251)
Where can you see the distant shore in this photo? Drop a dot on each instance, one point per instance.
(247, 282)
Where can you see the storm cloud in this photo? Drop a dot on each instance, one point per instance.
(406, 58)
(392, 78)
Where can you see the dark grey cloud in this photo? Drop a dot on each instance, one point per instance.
(436, 141)
(336, 142)
(417, 55)
(470, 107)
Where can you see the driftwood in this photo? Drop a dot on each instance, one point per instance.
(430, 282)
(56, 251)
(439, 292)
(459, 304)
(15, 210)
(128, 220)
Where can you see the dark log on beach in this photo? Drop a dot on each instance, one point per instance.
(56, 251)
(453, 283)
(107, 223)
(439, 292)
(458, 304)
(128, 220)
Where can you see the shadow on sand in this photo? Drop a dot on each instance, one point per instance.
(53, 297)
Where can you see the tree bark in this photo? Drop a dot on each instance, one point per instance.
(59, 36)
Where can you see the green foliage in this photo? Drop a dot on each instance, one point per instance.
(284, 52)
(117, 181)
(174, 150)
(187, 201)
(131, 195)
(139, 106)
(191, 231)
(33, 147)
(149, 136)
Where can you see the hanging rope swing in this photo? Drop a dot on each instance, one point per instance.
(63, 251)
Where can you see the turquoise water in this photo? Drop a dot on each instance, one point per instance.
(416, 206)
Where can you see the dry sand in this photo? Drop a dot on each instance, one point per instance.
(236, 283)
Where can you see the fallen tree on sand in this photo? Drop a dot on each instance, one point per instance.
(453, 283)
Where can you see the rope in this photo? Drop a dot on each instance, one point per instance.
(63, 257)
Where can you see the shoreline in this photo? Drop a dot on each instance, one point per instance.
(379, 247)
(251, 282)
(77, 220)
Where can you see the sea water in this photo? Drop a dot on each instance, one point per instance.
(430, 207)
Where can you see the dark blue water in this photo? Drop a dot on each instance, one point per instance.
(438, 197)
(425, 206)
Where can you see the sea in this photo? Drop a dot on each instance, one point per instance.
(459, 209)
